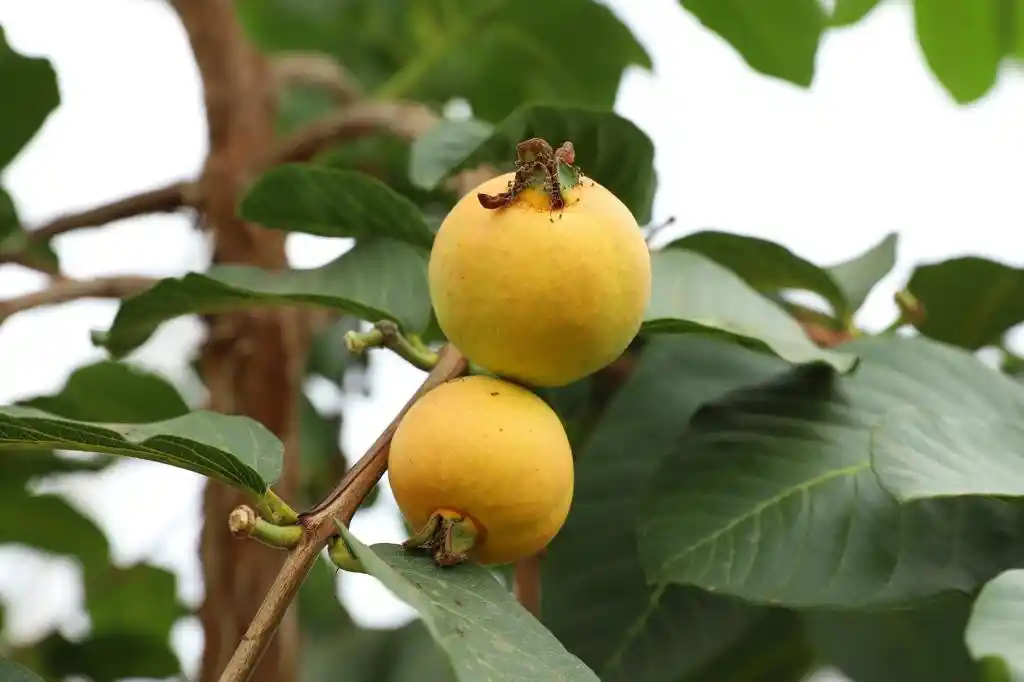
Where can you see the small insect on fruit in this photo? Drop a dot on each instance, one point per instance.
(539, 275)
(483, 468)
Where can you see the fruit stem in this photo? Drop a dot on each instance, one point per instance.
(542, 168)
(386, 334)
(244, 522)
(448, 535)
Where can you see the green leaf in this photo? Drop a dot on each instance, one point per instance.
(495, 55)
(377, 279)
(775, 648)
(333, 203)
(328, 356)
(609, 148)
(969, 301)
(858, 276)
(234, 450)
(400, 655)
(113, 392)
(14, 240)
(320, 612)
(921, 642)
(433, 156)
(961, 44)
(49, 524)
(996, 625)
(30, 92)
(849, 12)
(13, 672)
(691, 293)
(634, 631)
(21, 466)
(764, 265)
(139, 599)
(109, 657)
(322, 461)
(919, 453)
(778, 38)
(769, 495)
(479, 624)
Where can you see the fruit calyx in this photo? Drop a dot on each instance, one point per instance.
(540, 167)
(448, 535)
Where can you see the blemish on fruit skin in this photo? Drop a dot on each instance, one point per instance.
(494, 393)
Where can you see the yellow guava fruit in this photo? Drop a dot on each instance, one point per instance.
(540, 296)
(488, 451)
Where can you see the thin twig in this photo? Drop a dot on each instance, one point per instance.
(340, 504)
(316, 70)
(64, 290)
(160, 200)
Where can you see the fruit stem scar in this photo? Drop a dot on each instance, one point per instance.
(448, 535)
(539, 167)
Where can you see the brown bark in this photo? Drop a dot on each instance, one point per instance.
(251, 361)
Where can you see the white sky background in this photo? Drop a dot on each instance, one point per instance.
(875, 146)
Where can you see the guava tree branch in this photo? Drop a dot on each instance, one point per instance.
(313, 69)
(64, 290)
(164, 199)
(319, 526)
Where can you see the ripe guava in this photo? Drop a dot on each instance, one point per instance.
(543, 286)
(485, 466)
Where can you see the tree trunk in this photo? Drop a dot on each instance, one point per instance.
(252, 362)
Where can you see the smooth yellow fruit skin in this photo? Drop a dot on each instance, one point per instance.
(491, 450)
(538, 296)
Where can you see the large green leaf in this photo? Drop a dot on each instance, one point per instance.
(968, 301)
(609, 148)
(109, 657)
(858, 276)
(849, 12)
(113, 392)
(770, 496)
(919, 453)
(404, 654)
(139, 599)
(22, 465)
(486, 633)
(774, 649)
(496, 54)
(30, 94)
(996, 625)
(14, 672)
(333, 203)
(49, 524)
(376, 279)
(764, 265)
(235, 450)
(328, 356)
(633, 631)
(778, 38)
(692, 293)
(922, 642)
(773, 269)
(961, 44)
